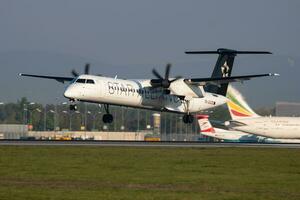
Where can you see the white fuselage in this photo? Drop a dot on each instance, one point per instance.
(140, 94)
(272, 127)
(239, 136)
(231, 136)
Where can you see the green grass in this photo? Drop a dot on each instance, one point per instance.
(148, 173)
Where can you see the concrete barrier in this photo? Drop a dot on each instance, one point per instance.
(99, 135)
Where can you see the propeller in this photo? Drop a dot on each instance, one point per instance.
(164, 82)
(86, 70)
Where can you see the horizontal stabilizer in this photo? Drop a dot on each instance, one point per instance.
(227, 51)
(57, 78)
(222, 80)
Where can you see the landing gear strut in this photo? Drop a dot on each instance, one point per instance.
(188, 118)
(107, 118)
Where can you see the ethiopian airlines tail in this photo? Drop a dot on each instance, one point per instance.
(237, 106)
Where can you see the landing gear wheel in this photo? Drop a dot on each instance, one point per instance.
(73, 107)
(188, 119)
(107, 118)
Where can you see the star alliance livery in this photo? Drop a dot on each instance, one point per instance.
(178, 95)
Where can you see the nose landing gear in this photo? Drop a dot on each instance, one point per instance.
(73, 106)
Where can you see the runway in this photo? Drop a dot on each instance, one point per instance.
(144, 144)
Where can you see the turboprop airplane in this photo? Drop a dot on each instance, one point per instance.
(246, 120)
(234, 136)
(179, 95)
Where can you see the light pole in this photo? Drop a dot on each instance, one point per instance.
(70, 114)
(53, 112)
(25, 114)
(67, 113)
(138, 120)
(170, 123)
(85, 117)
(38, 110)
(45, 116)
(56, 120)
(1, 103)
(122, 119)
(115, 115)
(165, 125)
(180, 121)
(30, 113)
(94, 117)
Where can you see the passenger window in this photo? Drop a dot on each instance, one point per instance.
(90, 81)
(80, 81)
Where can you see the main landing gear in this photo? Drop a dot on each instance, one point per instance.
(107, 118)
(188, 118)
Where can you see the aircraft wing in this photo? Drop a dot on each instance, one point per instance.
(57, 78)
(221, 80)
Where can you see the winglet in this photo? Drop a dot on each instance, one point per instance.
(274, 74)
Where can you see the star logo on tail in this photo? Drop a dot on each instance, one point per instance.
(225, 70)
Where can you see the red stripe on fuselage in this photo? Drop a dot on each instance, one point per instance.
(236, 113)
(210, 130)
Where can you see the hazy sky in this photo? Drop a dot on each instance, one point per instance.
(131, 37)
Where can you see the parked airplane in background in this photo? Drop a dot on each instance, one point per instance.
(234, 136)
(246, 120)
(179, 95)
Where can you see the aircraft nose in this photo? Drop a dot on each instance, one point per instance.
(68, 93)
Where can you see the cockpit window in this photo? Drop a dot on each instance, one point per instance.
(80, 80)
(90, 81)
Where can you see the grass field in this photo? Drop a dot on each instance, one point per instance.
(148, 173)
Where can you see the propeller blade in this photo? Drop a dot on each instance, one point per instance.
(167, 73)
(74, 73)
(176, 78)
(163, 82)
(87, 68)
(157, 74)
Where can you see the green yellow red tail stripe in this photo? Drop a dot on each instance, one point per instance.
(237, 106)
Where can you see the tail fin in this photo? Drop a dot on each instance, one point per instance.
(223, 67)
(205, 125)
(237, 106)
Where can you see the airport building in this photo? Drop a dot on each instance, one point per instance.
(13, 131)
(288, 109)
